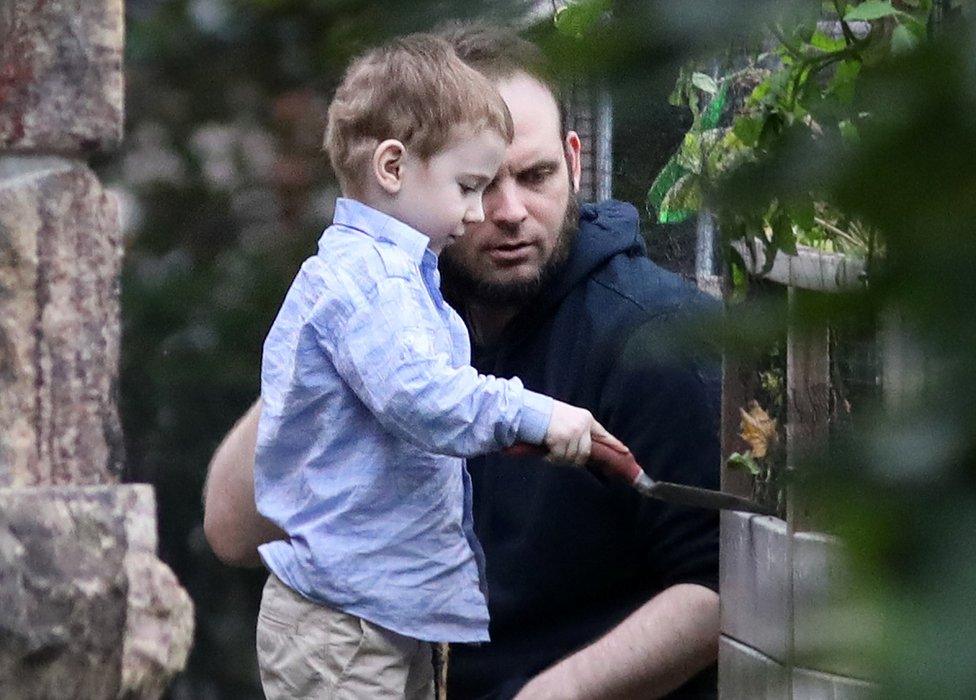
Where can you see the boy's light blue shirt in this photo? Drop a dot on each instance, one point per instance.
(366, 386)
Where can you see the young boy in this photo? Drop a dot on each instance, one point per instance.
(369, 404)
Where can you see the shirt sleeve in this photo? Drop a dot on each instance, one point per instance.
(383, 349)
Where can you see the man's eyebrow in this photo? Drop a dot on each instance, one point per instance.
(545, 164)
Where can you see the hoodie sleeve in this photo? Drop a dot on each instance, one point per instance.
(665, 407)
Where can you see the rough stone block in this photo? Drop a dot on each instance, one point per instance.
(745, 674)
(61, 82)
(811, 685)
(88, 611)
(755, 583)
(60, 257)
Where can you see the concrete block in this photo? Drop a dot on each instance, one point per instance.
(745, 674)
(61, 82)
(755, 586)
(829, 627)
(88, 609)
(60, 257)
(813, 685)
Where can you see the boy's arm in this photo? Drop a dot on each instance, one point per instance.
(231, 522)
(383, 348)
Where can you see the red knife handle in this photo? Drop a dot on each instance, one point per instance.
(610, 461)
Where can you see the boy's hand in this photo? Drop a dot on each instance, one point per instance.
(571, 432)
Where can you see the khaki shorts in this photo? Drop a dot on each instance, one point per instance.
(306, 650)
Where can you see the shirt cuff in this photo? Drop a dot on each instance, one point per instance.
(534, 419)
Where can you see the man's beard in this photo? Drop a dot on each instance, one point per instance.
(463, 285)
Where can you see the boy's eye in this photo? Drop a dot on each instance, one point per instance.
(467, 189)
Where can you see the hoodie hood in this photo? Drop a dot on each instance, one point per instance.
(606, 229)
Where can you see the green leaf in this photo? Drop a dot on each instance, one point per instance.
(917, 27)
(844, 80)
(705, 83)
(760, 92)
(690, 153)
(872, 9)
(772, 128)
(712, 113)
(715, 150)
(747, 130)
(744, 462)
(740, 279)
(577, 18)
(802, 213)
(903, 40)
(670, 174)
(821, 41)
(682, 201)
(783, 236)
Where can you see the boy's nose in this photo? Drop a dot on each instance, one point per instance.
(475, 213)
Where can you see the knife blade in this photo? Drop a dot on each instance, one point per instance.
(622, 466)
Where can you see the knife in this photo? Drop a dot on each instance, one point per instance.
(622, 466)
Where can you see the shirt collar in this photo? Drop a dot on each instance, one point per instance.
(356, 215)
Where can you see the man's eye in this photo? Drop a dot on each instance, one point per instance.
(534, 177)
(466, 189)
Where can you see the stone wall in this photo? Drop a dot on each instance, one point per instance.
(86, 608)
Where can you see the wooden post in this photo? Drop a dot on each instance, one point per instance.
(808, 400)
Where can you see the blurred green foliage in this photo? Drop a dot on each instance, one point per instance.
(224, 191)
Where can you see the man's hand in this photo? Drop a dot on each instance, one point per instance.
(571, 433)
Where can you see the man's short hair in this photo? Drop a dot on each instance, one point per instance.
(414, 89)
(500, 53)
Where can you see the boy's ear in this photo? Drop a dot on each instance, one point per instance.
(387, 165)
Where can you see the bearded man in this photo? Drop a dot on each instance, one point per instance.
(593, 591)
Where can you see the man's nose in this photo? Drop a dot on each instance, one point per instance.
(505, 206)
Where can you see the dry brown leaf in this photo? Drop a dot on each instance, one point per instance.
(758, 429)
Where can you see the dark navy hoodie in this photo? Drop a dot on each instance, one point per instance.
(569, 555)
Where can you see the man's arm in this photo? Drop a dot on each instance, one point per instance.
(673, 432)
(231, 522)
(660, 646)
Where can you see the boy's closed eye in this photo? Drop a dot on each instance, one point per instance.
(474, 184)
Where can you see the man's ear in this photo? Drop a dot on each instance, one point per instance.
(573, 148)
(387, 165)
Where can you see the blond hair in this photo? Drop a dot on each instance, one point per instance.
(414, 89)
